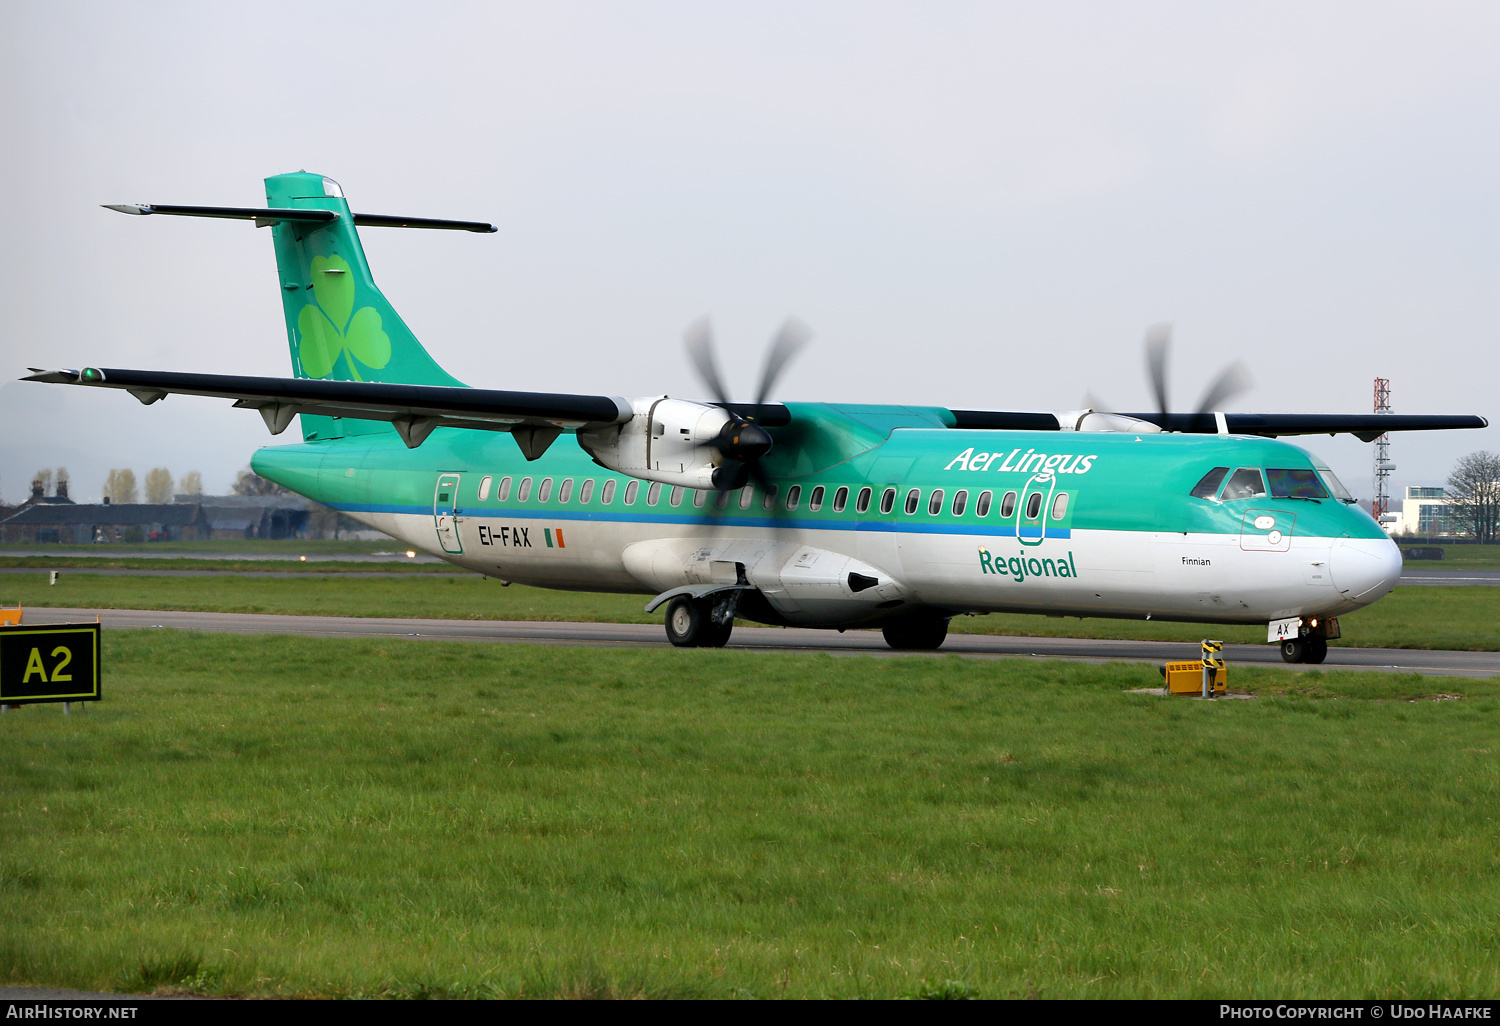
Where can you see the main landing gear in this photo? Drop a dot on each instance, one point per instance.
(1306, 649)
(699, 623)
(916, 635)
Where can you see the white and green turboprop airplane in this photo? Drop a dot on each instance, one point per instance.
(815, 514)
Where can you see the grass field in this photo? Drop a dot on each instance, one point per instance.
(314, 564)
(250, 546)
(1410, 617)
(1459, 557)
(268, 815)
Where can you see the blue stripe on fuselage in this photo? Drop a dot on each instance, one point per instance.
(709, 520)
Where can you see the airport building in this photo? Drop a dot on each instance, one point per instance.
(1424, 512)
(199, 518)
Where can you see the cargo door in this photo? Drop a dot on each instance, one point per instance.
(445, 512)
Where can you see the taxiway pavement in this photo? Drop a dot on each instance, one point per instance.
(854, 642)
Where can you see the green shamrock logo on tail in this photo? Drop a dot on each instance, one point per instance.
(328, 331)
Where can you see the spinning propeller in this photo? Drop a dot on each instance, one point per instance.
(1232, 381)
(743, 442)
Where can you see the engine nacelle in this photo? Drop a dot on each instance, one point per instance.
(1095, 420)
(667, 440)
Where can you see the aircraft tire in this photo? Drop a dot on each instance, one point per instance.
(1294, 650)
(1316, 650)
(916, 635)
(690, 624)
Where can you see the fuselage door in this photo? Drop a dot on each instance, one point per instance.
(1032, 509)
(445, 510)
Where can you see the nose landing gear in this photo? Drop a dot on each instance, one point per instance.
(1307, 649)
(1304, 639)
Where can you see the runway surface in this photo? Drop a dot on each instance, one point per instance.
(767, 639)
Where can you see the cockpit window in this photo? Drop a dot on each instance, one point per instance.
(1295, 484)
(1209, 486)
(1335, 485)
(1245, 484)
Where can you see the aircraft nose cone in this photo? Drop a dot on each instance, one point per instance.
(1364, 569)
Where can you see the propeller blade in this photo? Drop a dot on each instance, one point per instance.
(1158, 341)
(787, 343)
(1232, 380)
(1093, 402)
(699, 339)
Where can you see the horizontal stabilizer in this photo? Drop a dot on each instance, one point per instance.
(269, 215)
(391, 221)
(276, 215)
(415, 410)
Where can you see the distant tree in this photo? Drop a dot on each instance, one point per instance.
(1473, 495)
(191, 483)
(120, 486)
(42, 478)
(248, 482)
(62, 482)
(159, 485)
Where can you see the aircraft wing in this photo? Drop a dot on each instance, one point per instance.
(1365, 426)
(535, 418)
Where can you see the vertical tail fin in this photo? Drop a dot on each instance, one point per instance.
(339, 325)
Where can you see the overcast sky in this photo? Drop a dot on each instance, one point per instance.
(979, 206)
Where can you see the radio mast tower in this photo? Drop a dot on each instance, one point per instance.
(1383, 466)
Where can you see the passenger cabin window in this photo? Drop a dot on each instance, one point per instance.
(935, 503)
(677, 495)
(982, 504)
(653, 494)
(565, 490)
(699, 495)
(840, 498)
(887, 500)
(1008, 504)
(721, 500)
(1245, 484)
(863, 502)
(1034, 505)
(586, 490)
(484, 488)
(960, 500)
(1208, 487)
(913, 500)
(793, 496)
(1295, 484)
(607, 493)
(631, 491)
(747, 496)
(524, 492)
(815, 500)
(503, 492)
(768, 500)
(544, 490)
(1060, 506)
